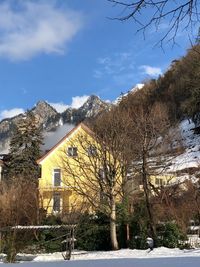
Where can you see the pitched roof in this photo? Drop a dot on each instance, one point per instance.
(82, 125)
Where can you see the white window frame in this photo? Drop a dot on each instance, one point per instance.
(159, 181)
(53, 177)
(61, 203)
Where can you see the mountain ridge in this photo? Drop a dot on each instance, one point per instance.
(50, 119)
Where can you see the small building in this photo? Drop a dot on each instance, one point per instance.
(161, 180)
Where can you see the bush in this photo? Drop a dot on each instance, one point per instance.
(139, 227)
(52, 220)
(170, 235)
(139, 236)
(49, 239)
(93, 233)
(14, 242)
(123, 219)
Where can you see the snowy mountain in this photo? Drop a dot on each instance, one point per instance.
(137, 87)
(89, 109)
(55, 125)
(50, 120)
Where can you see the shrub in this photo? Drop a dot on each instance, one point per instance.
(139, 236)
(93, 233)
(139, 227)
(170, 235)
(123, 219)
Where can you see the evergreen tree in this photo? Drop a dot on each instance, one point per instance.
(25, 149)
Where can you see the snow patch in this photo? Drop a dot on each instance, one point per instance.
(137, 87)
(161, 252)
(191, 156)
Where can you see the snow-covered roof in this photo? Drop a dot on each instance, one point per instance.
(80, 125)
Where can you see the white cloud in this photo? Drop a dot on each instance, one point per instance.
(59, 107)
(151, 71)
(78, 101)
(10, 113)
(35, 28)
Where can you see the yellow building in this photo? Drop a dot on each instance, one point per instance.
(135, 185)
(55, 189)
(162, 179)
(66, 167)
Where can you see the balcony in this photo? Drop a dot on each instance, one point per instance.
(55, 188)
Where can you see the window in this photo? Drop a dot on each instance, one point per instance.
(39, 172)
(56, 177)
(159, 181)
(72, 151)
(101, 174)
(92, 151)
(56, 202)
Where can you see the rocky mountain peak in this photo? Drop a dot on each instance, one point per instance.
(45, 113)
(93, 98)
(50, 120)
(43, 106)
(93, 106)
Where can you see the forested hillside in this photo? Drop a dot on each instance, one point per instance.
(179, 87)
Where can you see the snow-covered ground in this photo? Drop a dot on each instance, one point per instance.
(191, 157)
(153, 262)
(123, 253)
(125, 257)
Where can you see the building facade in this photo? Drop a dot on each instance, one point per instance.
(56, 192)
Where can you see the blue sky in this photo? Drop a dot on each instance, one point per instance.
(62, 51)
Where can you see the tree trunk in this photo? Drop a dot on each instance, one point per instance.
(127, 234)
(113, 227)
(147, 200)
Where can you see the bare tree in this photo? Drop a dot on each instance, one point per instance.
(18, 205)
(179, 15)
(74, 219)
(97, 172)
(150, 124)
